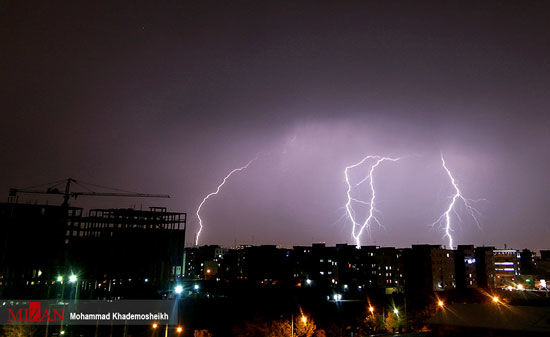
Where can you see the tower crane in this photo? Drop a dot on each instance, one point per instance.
(67, 194)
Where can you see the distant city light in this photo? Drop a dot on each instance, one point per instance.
(520, 287)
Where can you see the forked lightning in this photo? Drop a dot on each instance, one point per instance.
(445, 219)
(214, 193)
(357, 226)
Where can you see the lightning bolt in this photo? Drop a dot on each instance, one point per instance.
(445, 218)
(359, 227)
(242, 168)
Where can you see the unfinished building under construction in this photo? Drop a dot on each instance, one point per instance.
(117, 252)
(140, 248)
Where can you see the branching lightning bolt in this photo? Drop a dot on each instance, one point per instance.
(445, 218)
(214, 193)
(359, 227)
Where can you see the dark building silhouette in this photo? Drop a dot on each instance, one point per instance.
(527, 262)
(112, 252)
(430, 267)
(542, 268)
(33, 246)
(485, 267)
(199, 261)
(465, 266)
(127, 247)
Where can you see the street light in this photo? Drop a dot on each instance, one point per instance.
(520, 287)
(371, 309)
(440, 303)
(62, 332)
(73, 278)
(179, 329)
(155, 325)
(59, 278)
(178, 289)
(304, 319)
(395, 311)
(495, 299)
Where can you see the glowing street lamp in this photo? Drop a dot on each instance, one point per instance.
(371, 309)
(155, 325)
(178, 289)
(179, 329)
(59, 278)
(395, 311)
(73, 278)
(440, 303)
(520, 287)
(304, 319)
(495, 299)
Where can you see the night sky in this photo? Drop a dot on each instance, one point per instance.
(169, 96)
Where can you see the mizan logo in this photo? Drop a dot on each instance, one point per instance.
(34, 313)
